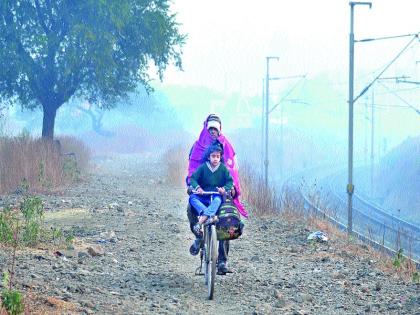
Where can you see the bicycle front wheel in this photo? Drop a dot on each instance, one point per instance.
(212, 250)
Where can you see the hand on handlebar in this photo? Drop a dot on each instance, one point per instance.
(202, 219)
(221, 190)
(199, 191)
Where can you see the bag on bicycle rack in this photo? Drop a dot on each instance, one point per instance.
(229, 226)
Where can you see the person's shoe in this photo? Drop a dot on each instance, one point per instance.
(222, 268)
(195, 247)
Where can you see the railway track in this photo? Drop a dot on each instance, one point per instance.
(370, 223)
(375, 223)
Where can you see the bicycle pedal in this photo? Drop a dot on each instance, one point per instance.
(198, 272)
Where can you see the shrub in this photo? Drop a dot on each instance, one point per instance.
(398, 259)
(12, 301)
(264, 200)
(7, 217)
(76, 151)
(33, 213)
(23, 226)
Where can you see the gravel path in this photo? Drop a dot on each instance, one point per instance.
(138, 260)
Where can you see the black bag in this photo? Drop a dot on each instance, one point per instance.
(229, 226)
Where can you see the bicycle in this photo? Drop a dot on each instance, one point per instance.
(209, 251)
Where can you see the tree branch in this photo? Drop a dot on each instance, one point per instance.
(40, 18)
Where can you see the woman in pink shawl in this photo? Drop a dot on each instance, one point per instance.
(212, 132)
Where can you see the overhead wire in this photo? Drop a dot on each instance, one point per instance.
(287, 94)
(416, 36)
(385, 37)
(400, 98)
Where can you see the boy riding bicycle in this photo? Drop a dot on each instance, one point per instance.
(212, 175)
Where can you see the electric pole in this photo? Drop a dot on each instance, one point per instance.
(262, 127)
(267, 98)
(350, 187)
(372, 146)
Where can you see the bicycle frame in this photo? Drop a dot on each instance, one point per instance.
(209, 252)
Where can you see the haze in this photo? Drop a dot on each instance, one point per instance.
(224, 63)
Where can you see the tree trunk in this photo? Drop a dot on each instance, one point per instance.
(48, 122)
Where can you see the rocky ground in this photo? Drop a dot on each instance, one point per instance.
(131, 256)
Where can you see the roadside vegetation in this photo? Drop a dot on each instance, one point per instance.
(29, 164)
(23, 227)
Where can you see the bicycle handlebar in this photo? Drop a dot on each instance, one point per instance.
(195, 192)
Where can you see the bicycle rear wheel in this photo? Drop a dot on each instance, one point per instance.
(211, 266)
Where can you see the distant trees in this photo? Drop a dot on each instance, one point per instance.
(51, 51)
(96, 116)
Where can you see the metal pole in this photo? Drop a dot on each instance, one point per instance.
(267, 80)
(281, 142)
(267, 97)
(365, 151)
(372, 146)
(350, 187)
(262, 127)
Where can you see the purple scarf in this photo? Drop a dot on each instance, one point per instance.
(198, 149)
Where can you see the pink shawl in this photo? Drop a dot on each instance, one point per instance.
(196, 156)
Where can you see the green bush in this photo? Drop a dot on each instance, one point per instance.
(24, 226)
(7, 218)
(415, 277)
(33, 213)
(398, 259)
(12, 301)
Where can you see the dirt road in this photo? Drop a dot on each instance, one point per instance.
(139, 262)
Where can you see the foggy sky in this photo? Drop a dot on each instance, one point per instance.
(229, 40)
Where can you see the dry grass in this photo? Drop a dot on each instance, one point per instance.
(267, 201)
(263, 200)
(176, 163)
(356, 247)
(82, 154)
(36, 165)
(292, 205)
(382, 260)
(36, 304)
(28, 163)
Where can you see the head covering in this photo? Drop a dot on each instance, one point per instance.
(214, 124)
(198, 150)
(214, 117)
